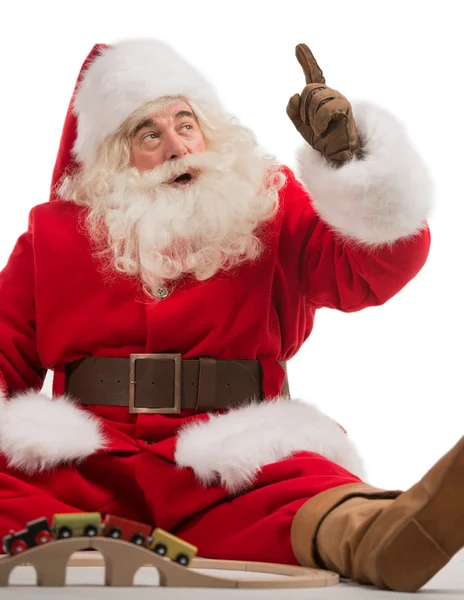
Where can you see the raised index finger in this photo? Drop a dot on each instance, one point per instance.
(311, 69)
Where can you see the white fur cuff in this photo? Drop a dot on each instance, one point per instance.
(234, 446)
(38, 433)
(380, 198)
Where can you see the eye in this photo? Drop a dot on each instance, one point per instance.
(188, 126)
(150, 136)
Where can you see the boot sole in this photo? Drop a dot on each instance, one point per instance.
(432, 535)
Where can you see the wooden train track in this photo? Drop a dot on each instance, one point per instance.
(122, 560)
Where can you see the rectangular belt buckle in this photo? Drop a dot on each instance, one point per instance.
(176, 408)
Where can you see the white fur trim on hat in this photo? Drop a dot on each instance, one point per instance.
(123, 78)
(232, 447)
(38, 433)
(380, 198)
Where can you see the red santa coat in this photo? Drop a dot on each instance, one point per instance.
(57, 306)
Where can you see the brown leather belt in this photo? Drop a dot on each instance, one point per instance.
(166, 383)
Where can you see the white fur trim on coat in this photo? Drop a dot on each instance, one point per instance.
(38, 433)
(123, 78)
(380, 198)
(233, 447)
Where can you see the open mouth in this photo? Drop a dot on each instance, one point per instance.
(183, 179)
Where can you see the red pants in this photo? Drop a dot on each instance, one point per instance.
(146, 487)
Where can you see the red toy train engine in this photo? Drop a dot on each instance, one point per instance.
(36, 533)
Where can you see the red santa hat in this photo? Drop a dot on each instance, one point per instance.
(114, 82)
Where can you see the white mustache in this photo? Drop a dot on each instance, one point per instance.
(168, 171)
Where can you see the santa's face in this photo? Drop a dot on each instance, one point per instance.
(167, 136)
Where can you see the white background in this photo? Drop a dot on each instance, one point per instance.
(391, 375)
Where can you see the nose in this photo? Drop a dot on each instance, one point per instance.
(175, 147)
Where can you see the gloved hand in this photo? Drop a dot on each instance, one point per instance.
(231, 448)
(38, 433)
(322, 115)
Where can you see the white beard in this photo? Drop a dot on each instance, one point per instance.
(159, 232)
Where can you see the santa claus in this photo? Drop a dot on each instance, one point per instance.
(174, 271)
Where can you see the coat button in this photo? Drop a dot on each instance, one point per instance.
(161, 292)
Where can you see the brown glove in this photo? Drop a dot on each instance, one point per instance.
(322, 115)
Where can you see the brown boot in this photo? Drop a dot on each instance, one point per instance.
(394, 540)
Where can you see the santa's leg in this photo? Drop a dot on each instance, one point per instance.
(395, 543)
(24, 499)
(102, 483)
(308, 510)
(254, 525)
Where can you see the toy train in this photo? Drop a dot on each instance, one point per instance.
(67, 525)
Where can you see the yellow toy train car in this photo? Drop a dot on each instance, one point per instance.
(169, 545)
(67, 525)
